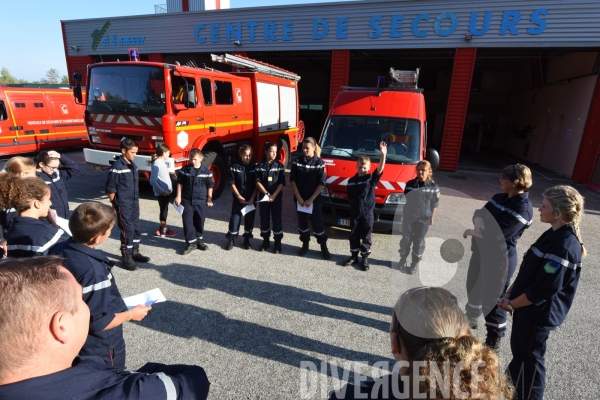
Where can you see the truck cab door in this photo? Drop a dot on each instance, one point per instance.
(208, 102)
(8, 136)
(230, 118)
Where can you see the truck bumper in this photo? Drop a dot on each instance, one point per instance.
(107, 158)
(336, 211)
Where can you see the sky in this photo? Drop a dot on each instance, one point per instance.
(32, 41)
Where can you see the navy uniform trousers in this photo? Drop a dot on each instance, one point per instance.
(361, 228)
(316, 220)
(128, 219)
(236, 220)
(271, 213)
(193, 220)
(413, 233)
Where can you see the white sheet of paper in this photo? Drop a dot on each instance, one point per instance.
(247, 209)
(61, 222)
(178, 208)
(147, 298)
(307, 210)
(265, 198)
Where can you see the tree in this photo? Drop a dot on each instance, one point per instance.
(52, 76)
(64, 80)
(6, 77)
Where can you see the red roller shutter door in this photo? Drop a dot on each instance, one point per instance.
(458, 102)
(589, 149)
(340, 70)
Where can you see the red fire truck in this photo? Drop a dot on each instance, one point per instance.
(191, 108)
(358, 120)
(33, 119)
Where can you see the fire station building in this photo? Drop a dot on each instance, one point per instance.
(520, 76)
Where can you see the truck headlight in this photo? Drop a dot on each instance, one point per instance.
(325, 191)
(95, 139)
(396, 198)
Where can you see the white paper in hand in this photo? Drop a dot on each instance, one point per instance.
(60, 222)
(247, 209)
(307, 210)
(265, 198)
(147, 298)
(178, 208)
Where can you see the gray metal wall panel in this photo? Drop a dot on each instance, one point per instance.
(569, 24)
(196, 5)
(174, 6)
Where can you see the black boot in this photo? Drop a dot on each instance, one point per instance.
(473, 322)
(202, 246)
(364, 263)
(351, 261)
(189, 248)
(277, 249)
(140, 258)
(325, 252)
(229, 244)
(303, 250)
(413, 268)
(493, 342)
(402, 263)
(128, 263)
(265, 245)
(247, 245)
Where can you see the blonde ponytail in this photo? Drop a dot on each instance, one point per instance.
(312, 141)
(568, 202)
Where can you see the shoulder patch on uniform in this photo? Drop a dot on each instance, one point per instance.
(551, 267)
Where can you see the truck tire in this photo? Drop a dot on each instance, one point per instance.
(218, 167)
(283, 150)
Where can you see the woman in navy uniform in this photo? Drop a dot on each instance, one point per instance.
(270, 180)
(307, 178)
(511, 213)
(55, 169)
(243, 190)
(543, 292)
(422, 199)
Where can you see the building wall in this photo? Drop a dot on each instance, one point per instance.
(558, 111)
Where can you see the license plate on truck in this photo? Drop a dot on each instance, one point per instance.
(344, 222)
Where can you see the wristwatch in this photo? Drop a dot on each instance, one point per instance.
(511, 308)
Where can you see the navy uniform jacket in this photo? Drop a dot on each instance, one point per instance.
(242, 176)
(549, 275)
(123, 180)
(308, 173)
(513, 215)
(90, 379)
(92, 270)
(195, 184)
(56, 183)
(361, 193)
(421, 198)
(270, 175)
(28, 237)
(7, 216)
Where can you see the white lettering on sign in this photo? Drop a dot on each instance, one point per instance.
(56, 121)
(238, 94)
(182, 139)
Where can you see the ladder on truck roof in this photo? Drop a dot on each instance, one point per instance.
(254, 66)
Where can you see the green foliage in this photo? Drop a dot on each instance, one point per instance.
(6, 77)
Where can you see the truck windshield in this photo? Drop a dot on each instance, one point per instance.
(127, 89)
(352, 136)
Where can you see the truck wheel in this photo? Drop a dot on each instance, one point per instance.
(284, 152)
(218, 167)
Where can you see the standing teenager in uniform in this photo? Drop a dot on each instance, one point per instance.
(270, 180)
(55, 169)
(243, 189)
(28, 235)
(422, 199)
(91, 224)
(194, 193)
(512, 213)
(160, 180)
(308, 180)
(543, 291)
(124, 194)
(361, 194)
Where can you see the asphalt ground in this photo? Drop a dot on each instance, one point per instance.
(268, 326)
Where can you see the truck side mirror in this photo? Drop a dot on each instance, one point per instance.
(77, 89)
(433, 157)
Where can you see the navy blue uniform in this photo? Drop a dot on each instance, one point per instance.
(123, 180)
(195, 183)
(308, 174)
(511, 216)
(243, 177)
(92, 270)
(90, 379)
(421, 199)
(29, 237)
(548, 276)
(56, 182)
(7, 216)
(271, 176)
(361, 194)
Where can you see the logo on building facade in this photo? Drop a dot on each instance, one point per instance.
(97, 35)
(114, 40)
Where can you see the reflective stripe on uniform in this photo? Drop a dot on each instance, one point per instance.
(561, 261)
(119, 171)
(511, 212)
(304, 230)
(38, 249)
(169, 386)
(503, 325)
(318, 233)
(53, 180)
(98, 286)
